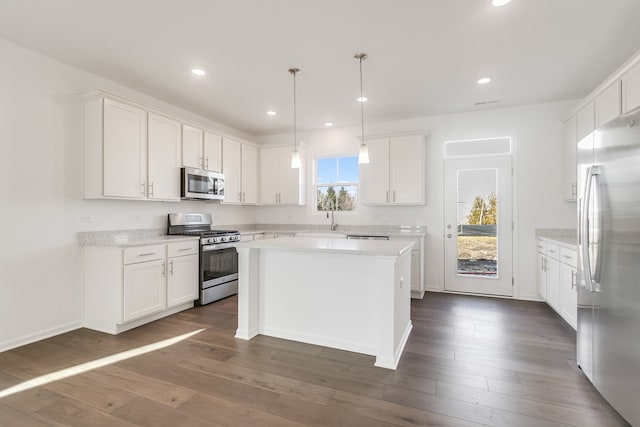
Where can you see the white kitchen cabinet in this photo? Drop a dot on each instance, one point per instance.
(279, 183)
(608, 104)
(115, 154)
(239, 165)
(556, 279)
(192, 140)
(569, 288)
(182, 273)
(569, 145)
(249, 174)
(201, 149)
(553, 276)
(395, 174)
(143, 289)
(163, 158)
(129, 153)
(128, 287)
(631, 89)
(417, 264)
(585, 121)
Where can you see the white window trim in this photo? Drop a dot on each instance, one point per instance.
(314, 206)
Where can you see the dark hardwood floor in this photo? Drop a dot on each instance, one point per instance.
(469, 361)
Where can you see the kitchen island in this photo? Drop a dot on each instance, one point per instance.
(347, 294)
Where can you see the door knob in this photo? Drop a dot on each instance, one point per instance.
(449, 235)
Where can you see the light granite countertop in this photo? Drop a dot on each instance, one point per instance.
(563, 236)
(126, 238)
(335, 246)
(391, 231)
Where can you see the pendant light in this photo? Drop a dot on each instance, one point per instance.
(295, 155)
(363, 156)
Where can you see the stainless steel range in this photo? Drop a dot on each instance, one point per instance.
(218, 255)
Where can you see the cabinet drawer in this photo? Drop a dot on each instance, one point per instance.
(553, 251)
(569, 257)
(143, 254)
(182, 248)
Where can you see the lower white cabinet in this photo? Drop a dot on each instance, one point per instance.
(130, 286)
(417, 264)
(556, 279)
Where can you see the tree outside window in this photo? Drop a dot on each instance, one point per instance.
(337, 183)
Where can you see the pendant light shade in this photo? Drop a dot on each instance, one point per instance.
(295, 154)
(363, 156)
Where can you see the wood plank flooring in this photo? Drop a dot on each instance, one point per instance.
(469, 361)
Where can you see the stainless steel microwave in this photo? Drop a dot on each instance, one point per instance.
(198, 184)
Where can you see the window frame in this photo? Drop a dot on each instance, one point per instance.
(335, 184)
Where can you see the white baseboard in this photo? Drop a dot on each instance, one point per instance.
(393, 364)
(358, 347)
(40, 335)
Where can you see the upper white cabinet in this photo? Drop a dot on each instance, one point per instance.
(240, 168)
(163, 154)
(607, 104)
(569, 145)
(280, 183)
(585, 121)
(395, 174)
(201, 149)
(122, 160)
(631, 89)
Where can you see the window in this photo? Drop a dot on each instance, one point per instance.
(337, 183)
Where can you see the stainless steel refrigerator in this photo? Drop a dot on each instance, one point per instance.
(609, 262)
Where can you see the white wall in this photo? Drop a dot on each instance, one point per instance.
(41, 182)
(537, 136)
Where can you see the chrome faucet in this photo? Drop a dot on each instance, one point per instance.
(333, 225)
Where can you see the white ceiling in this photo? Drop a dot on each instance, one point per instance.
(424, 55)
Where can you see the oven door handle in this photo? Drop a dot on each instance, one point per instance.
(218, 247)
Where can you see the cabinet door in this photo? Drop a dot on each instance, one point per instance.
(212, 152)
(608, 104)
(182, 280)
(231, 170)
(569, 145)
(269, 170)
(125, 150)
(541, 275)
(192, 155)
(415, 271)
(249, 174)
(569, 294)
(553, 283)
(144, 289)
(631, 89)
(374, 176)
(164, 158)
(406, 170)
(585, 121)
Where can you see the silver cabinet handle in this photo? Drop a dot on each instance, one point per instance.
(184, 249)
(240, 196)
(164, 267)
(244, 199)
(147, 254)
(573, 279)
(151, 189)
(142, 187)
(171, 267)
(206, 160)
(394, 196)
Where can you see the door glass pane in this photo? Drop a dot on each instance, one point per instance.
(477, 222)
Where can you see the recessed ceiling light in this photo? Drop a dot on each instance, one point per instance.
(500, 2)
(362, 99)
(271, 113)
(328, 124)
(484, 80)
(198, 72)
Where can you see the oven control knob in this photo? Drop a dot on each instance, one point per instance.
(223, 239)
(211, 240)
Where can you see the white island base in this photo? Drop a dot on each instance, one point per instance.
(347, 294)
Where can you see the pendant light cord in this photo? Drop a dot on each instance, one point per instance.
(295, 126)
(361, 101)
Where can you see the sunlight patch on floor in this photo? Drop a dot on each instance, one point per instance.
(94, 364)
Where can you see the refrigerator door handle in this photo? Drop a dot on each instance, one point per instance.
(588, 277)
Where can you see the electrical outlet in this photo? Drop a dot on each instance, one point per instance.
(137, 218)
(86, 218)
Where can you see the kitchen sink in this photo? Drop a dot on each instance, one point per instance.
(324, 234)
